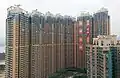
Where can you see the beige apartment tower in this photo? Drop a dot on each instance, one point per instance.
(103, 57)
(51, 43)
(17, 43)
(37, 45)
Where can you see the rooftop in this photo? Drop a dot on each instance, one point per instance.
(103, 10)
(16, 9)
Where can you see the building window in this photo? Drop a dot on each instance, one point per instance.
(102, 43)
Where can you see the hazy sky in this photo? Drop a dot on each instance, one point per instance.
(68, 7)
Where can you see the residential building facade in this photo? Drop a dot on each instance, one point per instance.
(82, 36)
(103, 57)
(37, 44)
(17, 43)
(101, 23)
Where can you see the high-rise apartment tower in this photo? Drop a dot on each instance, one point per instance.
(17, 43)
(101, 23)
(82, 36)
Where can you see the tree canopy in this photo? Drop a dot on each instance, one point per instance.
(70, 72)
